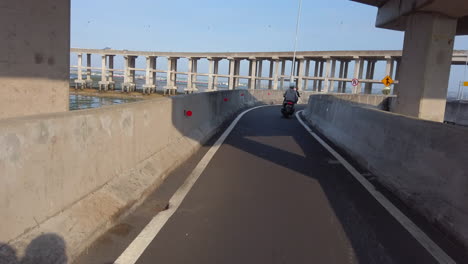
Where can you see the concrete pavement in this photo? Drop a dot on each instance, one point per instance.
(272, 194)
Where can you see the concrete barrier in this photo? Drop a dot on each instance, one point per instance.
(423, 162)
(456, 112)
(75, 173)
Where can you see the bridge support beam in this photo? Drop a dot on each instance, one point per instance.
(329, 73)
(103, 84)
(369, 76)
(129, 84)
(397, 75)
(110, 78)
(340, 75)
(189, 76)
(150, 75)
(283, 71)
(425, 66)
(171, 77)
(216, 71)
(275, 73)
(259, 73)
(232, 68)
(300, 74)
(210, 73)
(252, 73)
(358, 70)
(306, 74)
(320, 74)
(345, 76)
(79, 82)
(316, 71)
(236, 72)
(89, 81)
(270, 75)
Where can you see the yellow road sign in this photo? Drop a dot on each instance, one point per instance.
(465, 83)
(387, 80)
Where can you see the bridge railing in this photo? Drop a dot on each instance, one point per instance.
(329, 68)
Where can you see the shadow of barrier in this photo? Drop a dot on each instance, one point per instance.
(422, 162)
(76, 173)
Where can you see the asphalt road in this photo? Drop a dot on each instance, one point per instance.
(271, 194)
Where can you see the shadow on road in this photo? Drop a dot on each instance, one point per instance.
(45, 249)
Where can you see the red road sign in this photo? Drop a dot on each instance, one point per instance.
(355, 82)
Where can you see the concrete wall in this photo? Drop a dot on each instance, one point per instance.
(457, 112)
(74, 173)
(423, 162)
(34, 57)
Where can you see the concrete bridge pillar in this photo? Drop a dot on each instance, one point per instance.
(369, 76)
(189, 75)
(216, 71)
(358, 70)
(89, 80)
(210, 73)
(237, 63)
(300, 74)
(171, 78)
(389, 66)
(425, 66)
(320, 74)
(275, 73)
(150, 75)
(133, 72)
(397, 75)
(270, 75)
(79, 82)
(103, 84)
(329, 73)
(283, 71)
(316, 71)
(232, 68)
(344, 76)
(259, 73)
(194, 74)
(340, 75)
(110, 80)
(80, 64)
(252, 72)
(129, 74)
(306, 74)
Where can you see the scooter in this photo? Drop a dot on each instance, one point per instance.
(288, 109)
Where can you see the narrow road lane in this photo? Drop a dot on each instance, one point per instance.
(273, 194)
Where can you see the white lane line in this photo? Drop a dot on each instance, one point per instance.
(141, 242)
(411, 227)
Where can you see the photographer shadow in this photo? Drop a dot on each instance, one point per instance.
(44, 249)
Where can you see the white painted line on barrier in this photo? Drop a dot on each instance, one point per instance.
(411, 227)
(141, 242)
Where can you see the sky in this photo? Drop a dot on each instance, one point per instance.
(228, 26)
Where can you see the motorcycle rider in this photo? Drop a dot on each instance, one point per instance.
(291, 94)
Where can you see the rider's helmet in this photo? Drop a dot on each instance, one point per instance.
(292, 85)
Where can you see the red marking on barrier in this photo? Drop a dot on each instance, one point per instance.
(188, 113)
(225, 99)
(242, 94)
(268, 93)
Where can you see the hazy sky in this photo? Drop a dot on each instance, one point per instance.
(240, 25)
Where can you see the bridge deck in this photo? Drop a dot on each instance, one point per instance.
(272, 194)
